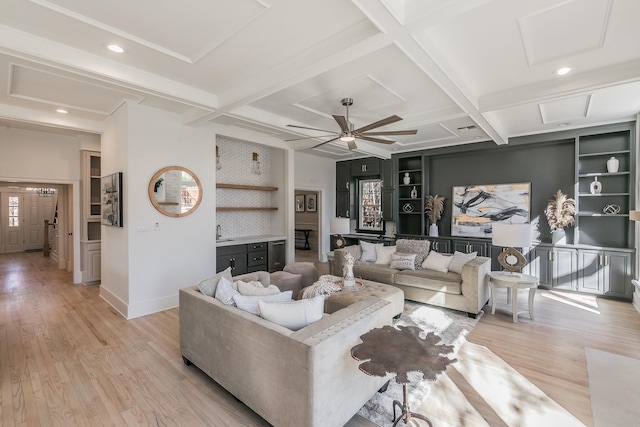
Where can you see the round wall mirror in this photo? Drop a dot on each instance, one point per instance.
(175, 191)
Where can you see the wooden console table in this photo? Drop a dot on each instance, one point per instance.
(306, 232)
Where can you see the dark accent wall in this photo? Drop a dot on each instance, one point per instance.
(548, 166)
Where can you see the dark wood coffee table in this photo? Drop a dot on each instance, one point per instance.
(390, 350)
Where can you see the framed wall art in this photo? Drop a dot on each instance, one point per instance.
(300, 203)
(111, 204)
(475, 208)
(312, 202)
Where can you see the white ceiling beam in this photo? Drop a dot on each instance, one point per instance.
(47, 52)
(562, 88)
(28, 115)
(291, 72)
(406, 41)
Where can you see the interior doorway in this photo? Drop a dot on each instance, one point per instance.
(307, 224)
(23, 208)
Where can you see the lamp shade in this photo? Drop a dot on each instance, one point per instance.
(339, 226)
(511, 235)
(634, 215)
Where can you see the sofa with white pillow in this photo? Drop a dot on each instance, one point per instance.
(285, 359)
(458, 281)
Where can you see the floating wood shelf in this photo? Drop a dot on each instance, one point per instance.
(246, 187)
(238, 208)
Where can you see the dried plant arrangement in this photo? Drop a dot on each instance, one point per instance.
(560, 211)
(433, 208)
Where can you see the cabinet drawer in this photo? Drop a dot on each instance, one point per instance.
(257, 258)
(231, 250)
(254, 247)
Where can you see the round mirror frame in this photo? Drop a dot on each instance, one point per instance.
(159, 205)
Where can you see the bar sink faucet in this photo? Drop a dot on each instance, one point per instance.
(218, 232)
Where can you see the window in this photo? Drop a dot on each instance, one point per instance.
(370, 218)
(14, 211)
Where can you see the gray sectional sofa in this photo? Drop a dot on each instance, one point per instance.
(290, 378)
(467, 291)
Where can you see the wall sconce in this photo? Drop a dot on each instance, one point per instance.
(218, 164)
(255, 165)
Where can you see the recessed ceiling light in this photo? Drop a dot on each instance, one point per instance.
(478, 137)
(61, 110)
(115, 48)
(562, 71)
(563, 124)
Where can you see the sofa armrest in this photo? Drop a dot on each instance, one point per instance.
(474, 280)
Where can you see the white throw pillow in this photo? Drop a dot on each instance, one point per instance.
(437, 262)
(250, 304)
(255, 288)
(208, 286)
(225, 291)
(383, 254)
(293, 315)
(403, 261)
(369, 251)
(459, 259)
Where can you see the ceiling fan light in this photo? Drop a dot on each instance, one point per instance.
(347, 138)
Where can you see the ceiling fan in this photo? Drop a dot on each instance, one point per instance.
(348, 134)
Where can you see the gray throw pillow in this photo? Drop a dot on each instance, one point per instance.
(459, 259)
(403, 261)
(369, 251)
(225, 292)
(420, 247)
(208, 286)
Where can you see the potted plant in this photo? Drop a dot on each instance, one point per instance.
(560, 213)
(433, 208)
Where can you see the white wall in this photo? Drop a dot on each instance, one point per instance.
(316, 173)
(142, 271)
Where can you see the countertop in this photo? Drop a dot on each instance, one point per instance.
(245, 240)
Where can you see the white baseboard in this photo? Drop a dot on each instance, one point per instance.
(115, 302)
(152, 306)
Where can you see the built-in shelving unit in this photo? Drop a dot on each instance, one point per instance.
(410, 209)
(595, 227)
(91, 224)
(221, 185)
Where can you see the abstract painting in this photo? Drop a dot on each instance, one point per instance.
(477, 207)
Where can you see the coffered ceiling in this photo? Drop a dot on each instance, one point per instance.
(458, 71)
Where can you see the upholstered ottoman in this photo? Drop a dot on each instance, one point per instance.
(287, 282)
(306, 269)
(371, 289)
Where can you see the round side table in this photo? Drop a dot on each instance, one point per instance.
(512, 282)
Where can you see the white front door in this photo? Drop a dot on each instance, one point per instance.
(12, 222)
(37, 209)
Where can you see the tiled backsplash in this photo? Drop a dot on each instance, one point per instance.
(236, 159)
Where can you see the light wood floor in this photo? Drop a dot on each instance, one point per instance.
(67, 358)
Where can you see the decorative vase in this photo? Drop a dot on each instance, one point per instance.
(558, 237)
(433, 230)
(612, 165)
(596, 186)
(414, 193)
(406, 179)
(348, 280)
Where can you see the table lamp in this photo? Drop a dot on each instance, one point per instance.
(339, 226)
(511, 236)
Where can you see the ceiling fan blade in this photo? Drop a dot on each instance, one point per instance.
(304, 127)
(342, 122)
(309, 137)
(368, 138)
(391, 132)
(352, 145)
(383, 122)
(322, 143)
